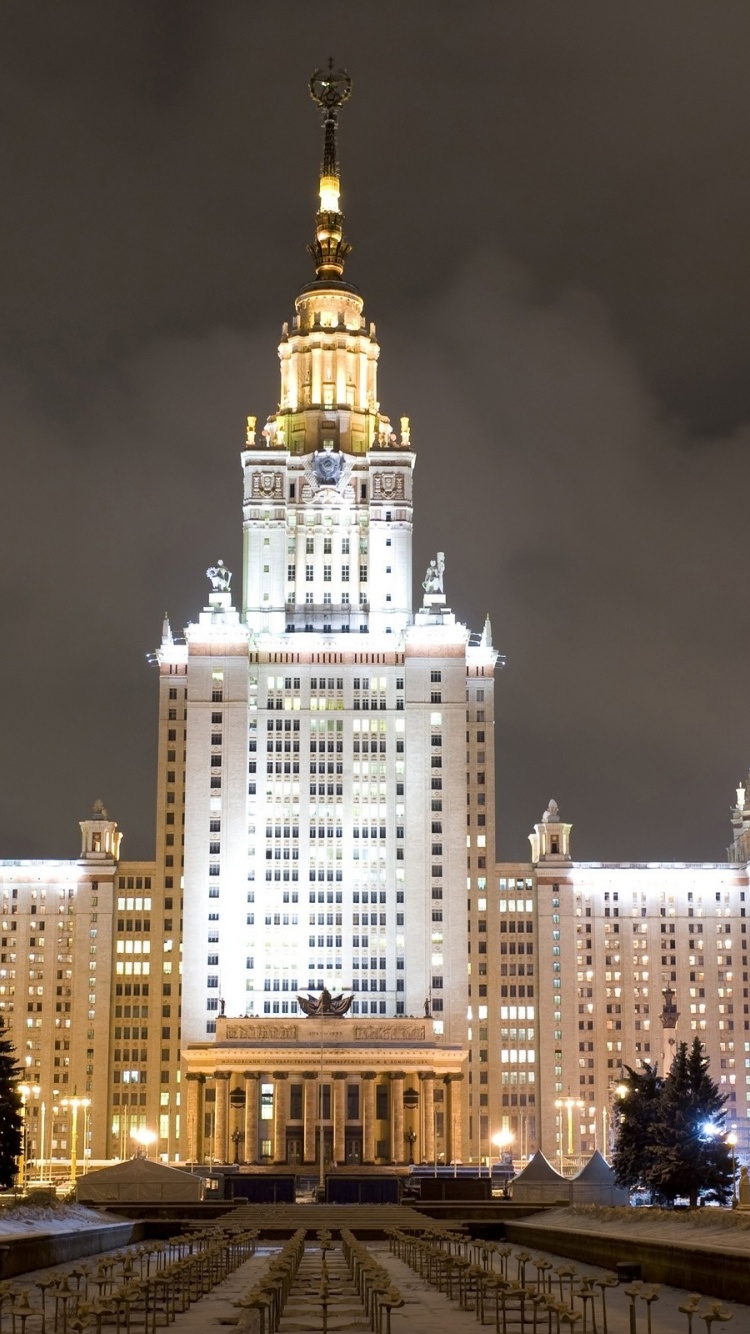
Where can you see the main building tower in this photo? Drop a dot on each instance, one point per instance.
(339, 743)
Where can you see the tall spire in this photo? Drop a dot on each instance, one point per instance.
(329, 89)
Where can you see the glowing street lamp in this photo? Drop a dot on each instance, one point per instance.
(144, 1139)
(502, 1140)
(74, 1103)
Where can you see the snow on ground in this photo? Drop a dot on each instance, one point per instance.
(713, 1228)
(25, 1219)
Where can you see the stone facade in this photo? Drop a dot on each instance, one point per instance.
(269, 1091)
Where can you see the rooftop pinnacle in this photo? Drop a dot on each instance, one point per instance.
(329, 89)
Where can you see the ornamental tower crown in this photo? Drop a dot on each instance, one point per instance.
(329, 477)
(329, 355)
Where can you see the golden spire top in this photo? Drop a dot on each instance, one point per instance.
(329, 89)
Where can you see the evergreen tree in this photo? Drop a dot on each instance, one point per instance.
(637, 1114)
(10, 1112)
(690, 1152)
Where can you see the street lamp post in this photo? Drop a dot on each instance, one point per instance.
(26, 1091)
(74, 1102)
(86, 1147)
(502, 1141)
(617, 1093)
(568, 1104)
(732, 1142)
(42, 1133)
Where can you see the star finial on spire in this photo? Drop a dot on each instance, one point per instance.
(330, 89)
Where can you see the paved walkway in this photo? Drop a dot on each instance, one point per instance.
(358, 1218)
(216, 1311)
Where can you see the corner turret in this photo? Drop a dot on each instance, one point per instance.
(100, 838)
(550, 841)
(739, 849)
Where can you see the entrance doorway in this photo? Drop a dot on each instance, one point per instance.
(294, 1149)
(353, 1149)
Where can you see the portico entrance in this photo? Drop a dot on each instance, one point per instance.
(376, 1091)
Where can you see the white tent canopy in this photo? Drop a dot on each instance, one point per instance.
(539, 1183)
(595, 1184)
(138, 1180)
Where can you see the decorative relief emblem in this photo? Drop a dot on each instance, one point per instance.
(399, 1032)
(327, 470)
(247, 1031)
(267, 485)
(388, 486)
(327, 466)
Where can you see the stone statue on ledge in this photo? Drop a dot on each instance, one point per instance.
(325, 1005)
(433, 580)
(219, 576)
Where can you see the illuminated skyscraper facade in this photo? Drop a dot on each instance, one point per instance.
(329, 784)
(325, 821)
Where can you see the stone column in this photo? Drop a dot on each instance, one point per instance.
(368, 1117)
(310, 1123)
(397, 1117)
(252, 1083)
(221, 1115)
(195, 1116)
(339, 1116)
(280, 1095)
(427, 1147)
(454, 1122)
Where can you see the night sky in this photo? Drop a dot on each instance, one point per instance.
(550, 212)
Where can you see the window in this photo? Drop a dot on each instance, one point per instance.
(309, 573)
(345, 574)
(381, 1102)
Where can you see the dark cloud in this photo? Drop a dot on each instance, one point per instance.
(549, 207)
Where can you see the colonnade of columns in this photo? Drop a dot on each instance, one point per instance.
(240, 1118)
